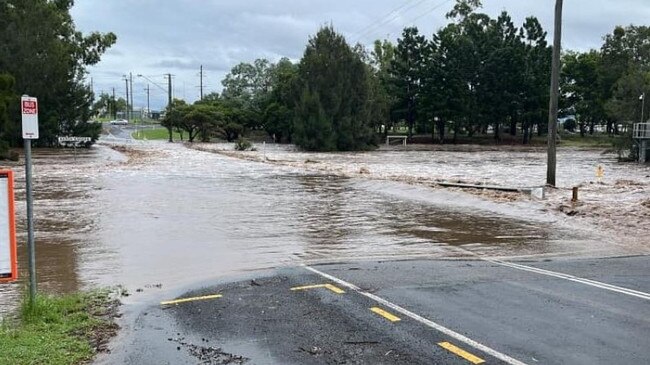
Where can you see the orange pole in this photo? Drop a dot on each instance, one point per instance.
(13, 251)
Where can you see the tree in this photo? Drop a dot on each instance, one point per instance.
(174, 116)
(200, 119)
(7, 97)
(581, 89)
(313, 128)
(379, 80)
(278, 112)
(624, 72)
(47, 56)
(407, 71)
(535, 79)
(333, 110)
(105, 106)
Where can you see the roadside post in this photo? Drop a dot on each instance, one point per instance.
(8, 254)
(29, 111)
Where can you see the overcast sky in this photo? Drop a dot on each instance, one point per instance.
(155, 37)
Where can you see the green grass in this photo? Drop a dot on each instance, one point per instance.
(158, 133)
(57, 330)
(596, 140)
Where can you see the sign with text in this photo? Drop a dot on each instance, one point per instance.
(29, 110)
(8, 257)
(74, 139)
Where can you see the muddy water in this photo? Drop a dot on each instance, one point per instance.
(176, 216)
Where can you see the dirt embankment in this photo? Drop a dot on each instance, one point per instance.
(619, 206)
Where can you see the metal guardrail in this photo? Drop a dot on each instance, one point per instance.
(641, 131)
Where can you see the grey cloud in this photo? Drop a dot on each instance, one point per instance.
(156, 37)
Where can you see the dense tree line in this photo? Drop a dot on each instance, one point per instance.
(477, 75)
(42, 54)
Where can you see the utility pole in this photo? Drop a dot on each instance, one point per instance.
(169, 102)
(148, 90)
(555, 91)
(131, 88)
(201, 84)
(126, 82)
(113, 111)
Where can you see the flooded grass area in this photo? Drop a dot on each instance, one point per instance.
(155, 216)
(616, 205)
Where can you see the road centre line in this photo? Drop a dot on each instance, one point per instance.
(185, 300)
(594, 283)
(305, 287)
(460, 352)
(330, 287)
(389, 316)
(420, 319)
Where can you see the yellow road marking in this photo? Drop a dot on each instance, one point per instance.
(331, 287)
(335, 289)
(385, 314)
(460, 352)
(308, 287)
(184, 300)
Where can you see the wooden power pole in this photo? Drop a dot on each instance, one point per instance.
(555, 91)
(201, 82)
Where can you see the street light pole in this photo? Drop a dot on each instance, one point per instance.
(169, 102)
(148, 107)
(126, 82)
(642, 106)
(131, 88)
(555, 91)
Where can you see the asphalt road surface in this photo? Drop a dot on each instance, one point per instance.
(565, 311)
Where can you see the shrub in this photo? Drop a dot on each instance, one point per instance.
(242, 144)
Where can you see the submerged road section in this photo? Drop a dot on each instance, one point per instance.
(565, 311)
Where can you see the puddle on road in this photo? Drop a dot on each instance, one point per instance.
(187, 216)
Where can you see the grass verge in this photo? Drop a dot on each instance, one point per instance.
(58, 330)
(158, 133)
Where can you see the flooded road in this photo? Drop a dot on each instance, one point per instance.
(173, 216)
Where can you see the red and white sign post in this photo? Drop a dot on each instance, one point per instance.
(29, 110)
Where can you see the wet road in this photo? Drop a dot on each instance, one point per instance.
(590, 311)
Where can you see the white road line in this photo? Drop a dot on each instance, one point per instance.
(421, 319)
(594, 283)
(576, 279)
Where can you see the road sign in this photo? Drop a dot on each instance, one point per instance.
(29, 110)
(74, 139)
(8, 257)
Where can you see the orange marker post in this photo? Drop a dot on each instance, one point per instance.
(8, 251)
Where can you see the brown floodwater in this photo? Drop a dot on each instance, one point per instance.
(176, 216)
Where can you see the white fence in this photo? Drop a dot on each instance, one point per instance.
(403, 138)
(641, 131)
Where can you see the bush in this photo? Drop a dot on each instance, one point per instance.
(570, 125)
(625, 148)
(6, 153)
(242, 144)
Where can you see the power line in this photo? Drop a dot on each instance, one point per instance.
(374, 23)
(427, 12)
(378, 25)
